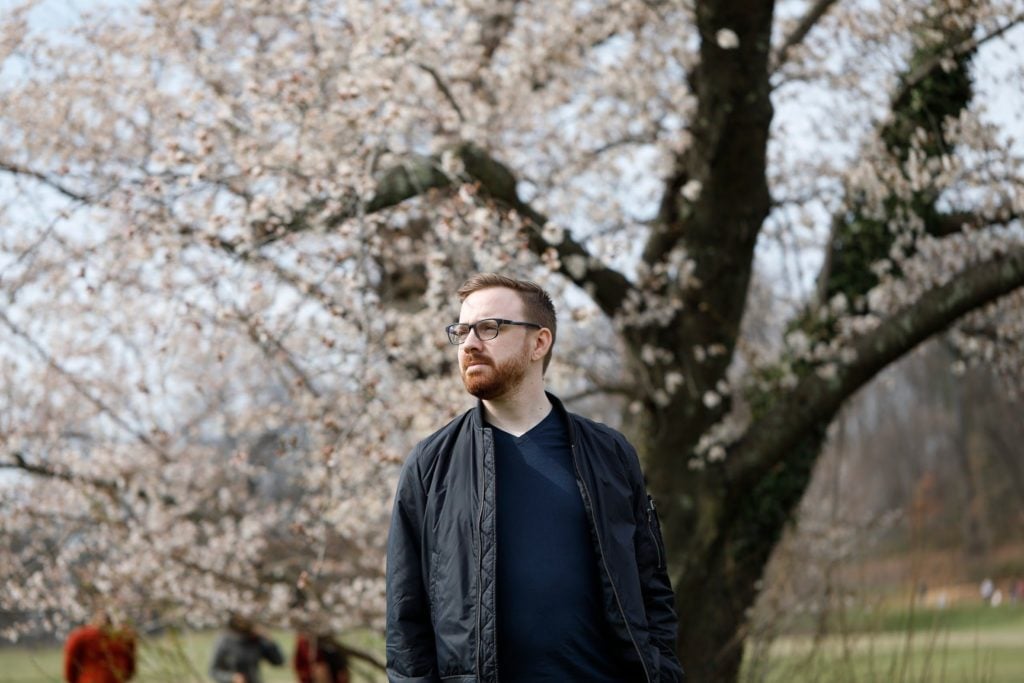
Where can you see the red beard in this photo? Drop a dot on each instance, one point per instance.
(494, 381)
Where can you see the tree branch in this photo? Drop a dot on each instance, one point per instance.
(272, 346)
(624, 390)
(82, 390)
(364, 656)
(443, 87)
(108, 486)
(495, 25)
(415, 176)
(961, 221)
(700, 211)
(963, 47)
(817, 397)
(46, 180)
(419, 174)
(813, 16)
(19, 462)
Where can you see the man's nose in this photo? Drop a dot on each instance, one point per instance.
(472, 341)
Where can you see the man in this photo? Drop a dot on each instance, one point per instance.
(239, 650)
(99, 653)
(523, 545)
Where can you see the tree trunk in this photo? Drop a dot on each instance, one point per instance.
(711, 629)
(719, 541)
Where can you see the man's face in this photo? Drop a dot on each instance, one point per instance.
(490, 369)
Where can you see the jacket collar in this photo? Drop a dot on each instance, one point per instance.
(478, 422)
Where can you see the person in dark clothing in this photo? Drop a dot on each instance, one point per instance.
(523, 544)
(237, 655)
(320, 658)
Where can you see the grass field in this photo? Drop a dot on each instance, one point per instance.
(964, 644)
(172, 658)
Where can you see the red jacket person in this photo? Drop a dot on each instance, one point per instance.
(99, 653)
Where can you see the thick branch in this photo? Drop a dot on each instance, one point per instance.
(947, 224)
(817, 398)
(608, 287)
(417, 175)
(412, 177)
(716, 199)
(730, 137)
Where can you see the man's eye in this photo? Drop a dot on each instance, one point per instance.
(488, 327)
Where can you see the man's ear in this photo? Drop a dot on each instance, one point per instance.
(542, 345)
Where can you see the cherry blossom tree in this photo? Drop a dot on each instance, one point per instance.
(231, 233)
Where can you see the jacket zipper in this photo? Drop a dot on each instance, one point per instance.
(604, 563)
(480, 560)
(651, 516)
(480, 564)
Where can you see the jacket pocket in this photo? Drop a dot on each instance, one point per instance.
(654, 528)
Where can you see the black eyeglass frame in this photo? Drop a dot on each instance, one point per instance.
(452, 339)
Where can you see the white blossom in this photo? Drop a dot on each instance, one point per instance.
(727, 39)
(576, 265)
(673, 380)
(691, 190)
(552, 233)
(827, 372)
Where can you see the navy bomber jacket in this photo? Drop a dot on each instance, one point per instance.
(441, 622)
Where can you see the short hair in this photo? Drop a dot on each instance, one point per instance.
(536, 302)
(241, 623)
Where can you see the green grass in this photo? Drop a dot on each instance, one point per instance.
(960, 618)
(946, 666)
(963, 644)
(894, 660)
(968, 644)
(966, 617)
(171, 658)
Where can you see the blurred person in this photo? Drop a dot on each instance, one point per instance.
(1016, 590)
(320, 658)
(237, 655)
(986, 589)
(99, 652)
(522, 538)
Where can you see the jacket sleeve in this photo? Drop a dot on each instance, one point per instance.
(411, 654)
(659, 600)
(270, 651)
(302, 662)
(220, 670)
(129, 654)
(71, 655)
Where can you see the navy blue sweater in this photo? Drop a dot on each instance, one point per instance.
(550, 622)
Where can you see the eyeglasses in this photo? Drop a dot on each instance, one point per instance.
(486, 329)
